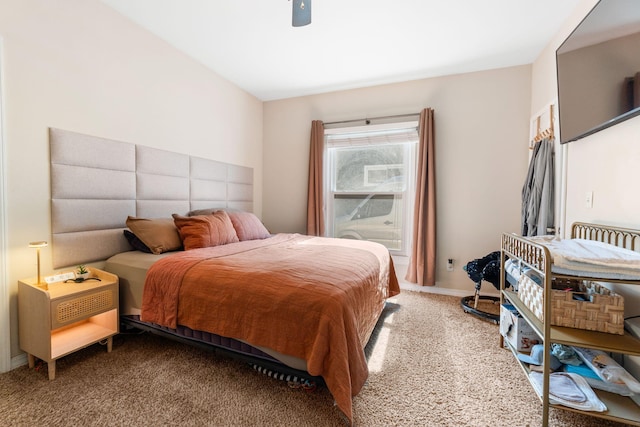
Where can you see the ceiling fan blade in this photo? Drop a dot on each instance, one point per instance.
(301, 13)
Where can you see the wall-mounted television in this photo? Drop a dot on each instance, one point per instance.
(598, 69)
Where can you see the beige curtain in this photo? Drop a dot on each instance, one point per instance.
(422, 264)
(315, 203)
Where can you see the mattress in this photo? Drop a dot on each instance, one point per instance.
(131, 268)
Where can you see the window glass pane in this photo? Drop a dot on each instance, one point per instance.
(375, 217)
(369, 168)
(377, 205)
(370, 187)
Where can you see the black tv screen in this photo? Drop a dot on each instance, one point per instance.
(598, 69)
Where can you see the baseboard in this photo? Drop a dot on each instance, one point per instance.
(402, 262)
(19, 360)
(441, 291)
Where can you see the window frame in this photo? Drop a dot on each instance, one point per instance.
(410, 166)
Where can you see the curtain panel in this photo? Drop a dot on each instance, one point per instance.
(422, 262)
(315, 196)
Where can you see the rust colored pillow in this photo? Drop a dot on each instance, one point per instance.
(209, 211)
(203, 231)
(158, 234)
(248, 226)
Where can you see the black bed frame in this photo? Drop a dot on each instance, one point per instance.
(265, 362)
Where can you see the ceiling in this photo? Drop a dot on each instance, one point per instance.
(350, 43)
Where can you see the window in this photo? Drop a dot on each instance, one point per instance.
(370, 181)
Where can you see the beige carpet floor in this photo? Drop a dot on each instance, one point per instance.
(431, 365)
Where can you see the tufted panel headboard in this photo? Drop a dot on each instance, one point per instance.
(96, 183)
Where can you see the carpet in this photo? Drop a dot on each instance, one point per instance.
(430, 364)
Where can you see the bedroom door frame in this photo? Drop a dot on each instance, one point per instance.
(5, 312)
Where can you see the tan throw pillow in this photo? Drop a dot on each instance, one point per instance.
(209, 211)
(248, 226)
(203, 231)
(158, 234)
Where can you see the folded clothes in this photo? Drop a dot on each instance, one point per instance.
(569, 390)
(606, 368)
(514, 269)
(566, 354)
(535, 357)
(582, 370)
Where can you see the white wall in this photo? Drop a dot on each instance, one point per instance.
(80, 66)
(482, 129)
(605, 163)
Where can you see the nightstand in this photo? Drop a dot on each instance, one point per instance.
(60, 318)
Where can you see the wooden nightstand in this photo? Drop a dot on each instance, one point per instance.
(65, 317)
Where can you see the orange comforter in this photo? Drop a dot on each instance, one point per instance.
(310, 297)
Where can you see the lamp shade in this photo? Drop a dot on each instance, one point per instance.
(40, 244)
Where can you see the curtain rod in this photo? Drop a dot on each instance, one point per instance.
(368, 120)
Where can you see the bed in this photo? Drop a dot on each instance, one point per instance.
(313, 310)
(194, 263)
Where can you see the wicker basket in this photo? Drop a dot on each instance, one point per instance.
(602, 311)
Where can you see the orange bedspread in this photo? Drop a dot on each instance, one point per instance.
(310, 297)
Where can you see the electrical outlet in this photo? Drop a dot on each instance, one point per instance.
(450, 264)
(59, 277)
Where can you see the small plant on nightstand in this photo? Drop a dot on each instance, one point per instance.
(82, 272)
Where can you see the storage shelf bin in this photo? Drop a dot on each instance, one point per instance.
(589, 306)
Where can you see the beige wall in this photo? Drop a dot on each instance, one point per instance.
(78, 65)
(604, 163)
(482, 127)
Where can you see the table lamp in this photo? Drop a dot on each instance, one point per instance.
(38, 245)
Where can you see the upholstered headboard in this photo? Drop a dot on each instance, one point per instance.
(96, 183)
